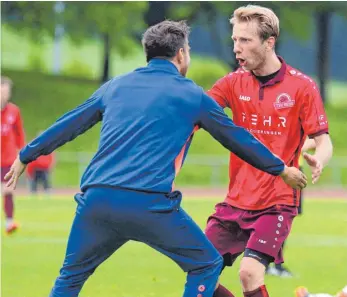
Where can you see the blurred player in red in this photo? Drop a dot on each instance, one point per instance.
(303, 292)
(12, 140)
(280, 106)
(38, 172)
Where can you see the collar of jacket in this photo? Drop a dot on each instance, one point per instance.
(163, 64)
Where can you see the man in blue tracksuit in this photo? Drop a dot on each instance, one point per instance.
(148, 118)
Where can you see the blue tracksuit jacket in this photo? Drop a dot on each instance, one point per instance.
(148, 118)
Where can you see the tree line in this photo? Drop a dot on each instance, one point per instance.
(119, 25)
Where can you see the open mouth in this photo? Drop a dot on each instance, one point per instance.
(242, 62)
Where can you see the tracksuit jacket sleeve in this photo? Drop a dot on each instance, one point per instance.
(66, 128)
(236, 139)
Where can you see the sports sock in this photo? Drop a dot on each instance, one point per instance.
(8, 206)
(260, 292)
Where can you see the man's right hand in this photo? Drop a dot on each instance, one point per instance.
(294, 177)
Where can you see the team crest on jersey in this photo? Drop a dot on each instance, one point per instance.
(283, 101)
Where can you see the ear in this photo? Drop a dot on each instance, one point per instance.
(271, 41)
(180, 55)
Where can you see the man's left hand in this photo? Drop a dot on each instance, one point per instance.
(15, 172)
(315, 166)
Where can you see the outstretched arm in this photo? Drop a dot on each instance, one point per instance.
(315, 124)
(65, 129)
(321, 156)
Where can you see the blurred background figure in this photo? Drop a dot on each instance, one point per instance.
(39, 173)
(12, 140)
(303, 292)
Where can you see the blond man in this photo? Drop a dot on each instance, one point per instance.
(280, 106)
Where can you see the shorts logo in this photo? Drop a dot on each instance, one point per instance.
(283, 101)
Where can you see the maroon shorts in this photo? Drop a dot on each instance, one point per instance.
(4, 171)
(232, 230)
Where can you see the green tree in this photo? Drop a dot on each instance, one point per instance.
(34, 19)
(115, 23)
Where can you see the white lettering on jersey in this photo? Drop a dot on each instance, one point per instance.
(245, 98)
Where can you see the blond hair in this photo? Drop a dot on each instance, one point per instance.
(269, 24)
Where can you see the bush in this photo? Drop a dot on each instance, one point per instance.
(205, 72)
(35, 61)
(78, 69)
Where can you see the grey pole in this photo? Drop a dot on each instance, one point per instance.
(58, 34)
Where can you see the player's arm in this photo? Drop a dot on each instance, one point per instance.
(20, 134)
(315, 125)
(324, 148)
(309, 144)
(221, 91)
(243, 144)
(66, 128)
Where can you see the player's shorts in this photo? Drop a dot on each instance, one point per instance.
(4, 171)
(232, 230)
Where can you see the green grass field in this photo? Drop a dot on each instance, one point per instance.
(32, 257)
